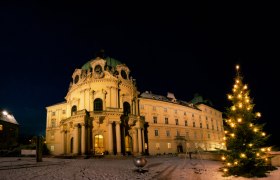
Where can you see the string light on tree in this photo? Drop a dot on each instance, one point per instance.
(245, 139)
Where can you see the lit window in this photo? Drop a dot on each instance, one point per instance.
(169, 145)
(176, 121)
(168, 133)
(1, 127)
(155, 120)
(166, 120)
(98, 141)
(157, 146)
(156, 132)
(52, 148)
(186, 123)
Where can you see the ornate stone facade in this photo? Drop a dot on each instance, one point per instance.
(104, 113)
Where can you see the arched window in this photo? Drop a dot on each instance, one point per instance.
(126, 108)
(98, 141)
(98, 104)
(73, 109)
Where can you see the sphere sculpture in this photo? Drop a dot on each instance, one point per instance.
(140, 162)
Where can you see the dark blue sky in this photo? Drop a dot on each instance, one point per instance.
(183, 48)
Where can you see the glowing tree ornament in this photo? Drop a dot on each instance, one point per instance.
(246, 155)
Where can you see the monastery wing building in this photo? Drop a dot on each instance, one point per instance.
(105, 114)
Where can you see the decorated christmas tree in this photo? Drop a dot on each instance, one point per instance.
(246, 153)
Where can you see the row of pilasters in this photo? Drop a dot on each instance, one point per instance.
(77, 140)
(138, 139)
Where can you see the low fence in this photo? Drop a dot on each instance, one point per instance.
(28, 152)
(274, 156)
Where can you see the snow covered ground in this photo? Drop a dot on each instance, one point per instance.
(122, 168)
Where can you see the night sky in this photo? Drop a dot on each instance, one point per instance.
(181, 48)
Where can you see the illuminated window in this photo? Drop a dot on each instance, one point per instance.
(155, 119)
(176, 121)
(52, 148)
(156, 132)
(98, 141)
(157, 146)
(169, 145)
(1, 127)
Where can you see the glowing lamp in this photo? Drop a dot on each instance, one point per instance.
(242, 155)
(5, 113)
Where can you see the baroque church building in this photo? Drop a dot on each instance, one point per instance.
(103, 113)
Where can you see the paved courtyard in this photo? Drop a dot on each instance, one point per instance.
(105, 168)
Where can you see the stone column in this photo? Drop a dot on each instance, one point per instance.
(118, 135)
(143, 140)
(110, 137)
(135, 140)
(140, 140)
(83, 139)
(65, 142)
(75, 145)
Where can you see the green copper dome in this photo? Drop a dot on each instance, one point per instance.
(110, 62)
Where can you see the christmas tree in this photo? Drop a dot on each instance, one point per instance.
(245, 140)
